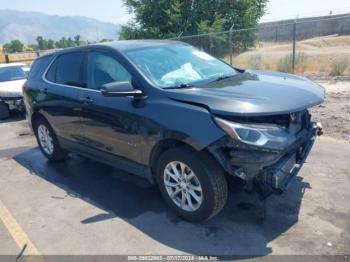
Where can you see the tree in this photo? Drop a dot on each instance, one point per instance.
(14, 46)
(44, 44)
(41, 42)
(61, 43)
(70, 42)
(170, 18)
(50, 44)
(77, 40)
(65, 42)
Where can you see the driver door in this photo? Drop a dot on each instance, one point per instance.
(107, 121)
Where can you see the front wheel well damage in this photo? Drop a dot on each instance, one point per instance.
(167, 144)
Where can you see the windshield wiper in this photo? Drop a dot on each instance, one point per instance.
(222, 77)
(181, 86)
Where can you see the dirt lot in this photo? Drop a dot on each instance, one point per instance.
(82, 207)
(319, 54)
(334, 114)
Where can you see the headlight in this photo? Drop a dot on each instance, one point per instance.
(258, 135)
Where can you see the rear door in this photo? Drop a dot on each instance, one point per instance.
(59, 96)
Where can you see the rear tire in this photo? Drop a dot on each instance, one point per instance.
(47, 141)
(207, 189)
(4, 111)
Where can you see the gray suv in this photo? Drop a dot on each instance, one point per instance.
(176, 116)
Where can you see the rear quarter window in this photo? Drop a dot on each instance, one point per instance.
(38, 67)
(67, 69)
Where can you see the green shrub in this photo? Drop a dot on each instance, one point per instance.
(254, 62)
(285, 63)
(338, 66)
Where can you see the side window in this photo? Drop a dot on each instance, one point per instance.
(67, 70)
(38, 67)
(51, 73)
(103, 69)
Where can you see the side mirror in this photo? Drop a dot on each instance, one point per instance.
(120, 89)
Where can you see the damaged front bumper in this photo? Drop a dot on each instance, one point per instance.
(265, 170)
(14, 103)
(276, 178)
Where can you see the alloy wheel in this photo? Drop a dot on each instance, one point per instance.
(183, 186)
(45, 139)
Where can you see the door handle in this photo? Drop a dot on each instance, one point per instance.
(88, 100)
(43, 91)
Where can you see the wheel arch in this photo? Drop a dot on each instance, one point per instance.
(168, 143)
(164, 145)
(35, 117)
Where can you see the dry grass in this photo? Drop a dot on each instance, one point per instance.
(321, 52)
(2, 59)
(339, 67)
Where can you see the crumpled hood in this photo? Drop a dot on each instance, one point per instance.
(254, 93)
(11, 88)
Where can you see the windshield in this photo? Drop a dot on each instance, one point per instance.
(12, 73)
(176, 65)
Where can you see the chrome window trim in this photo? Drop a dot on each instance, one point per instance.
(43, 77)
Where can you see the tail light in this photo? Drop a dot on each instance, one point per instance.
(24, 88)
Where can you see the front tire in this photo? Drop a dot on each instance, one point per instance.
(193, 184)
(48, 142)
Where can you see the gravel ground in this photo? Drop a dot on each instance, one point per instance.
(334, 114)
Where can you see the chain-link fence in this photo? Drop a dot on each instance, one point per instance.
(311, 46)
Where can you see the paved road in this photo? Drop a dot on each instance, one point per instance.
(83, 207)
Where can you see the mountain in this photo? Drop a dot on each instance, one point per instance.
(26, 26)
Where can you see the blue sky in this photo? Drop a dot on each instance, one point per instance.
(114, 11)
